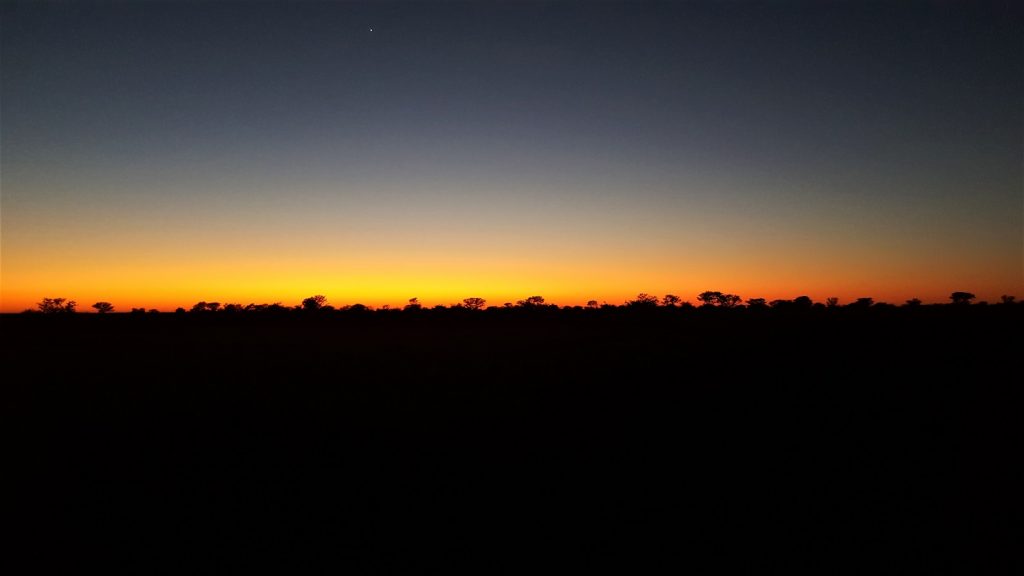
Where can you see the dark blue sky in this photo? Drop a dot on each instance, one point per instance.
(870, 144)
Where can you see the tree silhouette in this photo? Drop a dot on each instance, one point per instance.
(862, 303)
(314, 302)
(103, 307)
(803, 301)
(758, 303)
(831, 302)
(591, 303)
(474, 303)
(962, 298)
(206, 307)
(719, 299)
(1007, 299)
(913, 303)
(643, 300)
(414, 304)
(671, 300)
(709, 298)
(57, 306)
(531, 302)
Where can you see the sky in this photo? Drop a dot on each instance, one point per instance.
(156, 154)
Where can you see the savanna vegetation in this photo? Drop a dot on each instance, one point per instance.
(738, 435)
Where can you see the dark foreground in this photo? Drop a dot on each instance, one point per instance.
(712, 441)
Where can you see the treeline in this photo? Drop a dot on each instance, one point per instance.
(643, 301)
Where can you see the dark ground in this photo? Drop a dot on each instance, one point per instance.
(832, 441)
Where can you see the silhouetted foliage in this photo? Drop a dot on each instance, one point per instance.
(531, 302)
(474, 303)
(710, 299)
(719, 299)
(361, 415)
(803, 302)
(643, 300)
(314, 303)
(961, 298)
(57, 306)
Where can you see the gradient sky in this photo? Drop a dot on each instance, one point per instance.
(157, 154)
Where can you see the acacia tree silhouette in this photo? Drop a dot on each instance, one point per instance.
(643, 300)
(962, 298)
(57, 306)
(474, 303)
(314, 302)
(719, 299)
(103, 307)
(531, 302)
